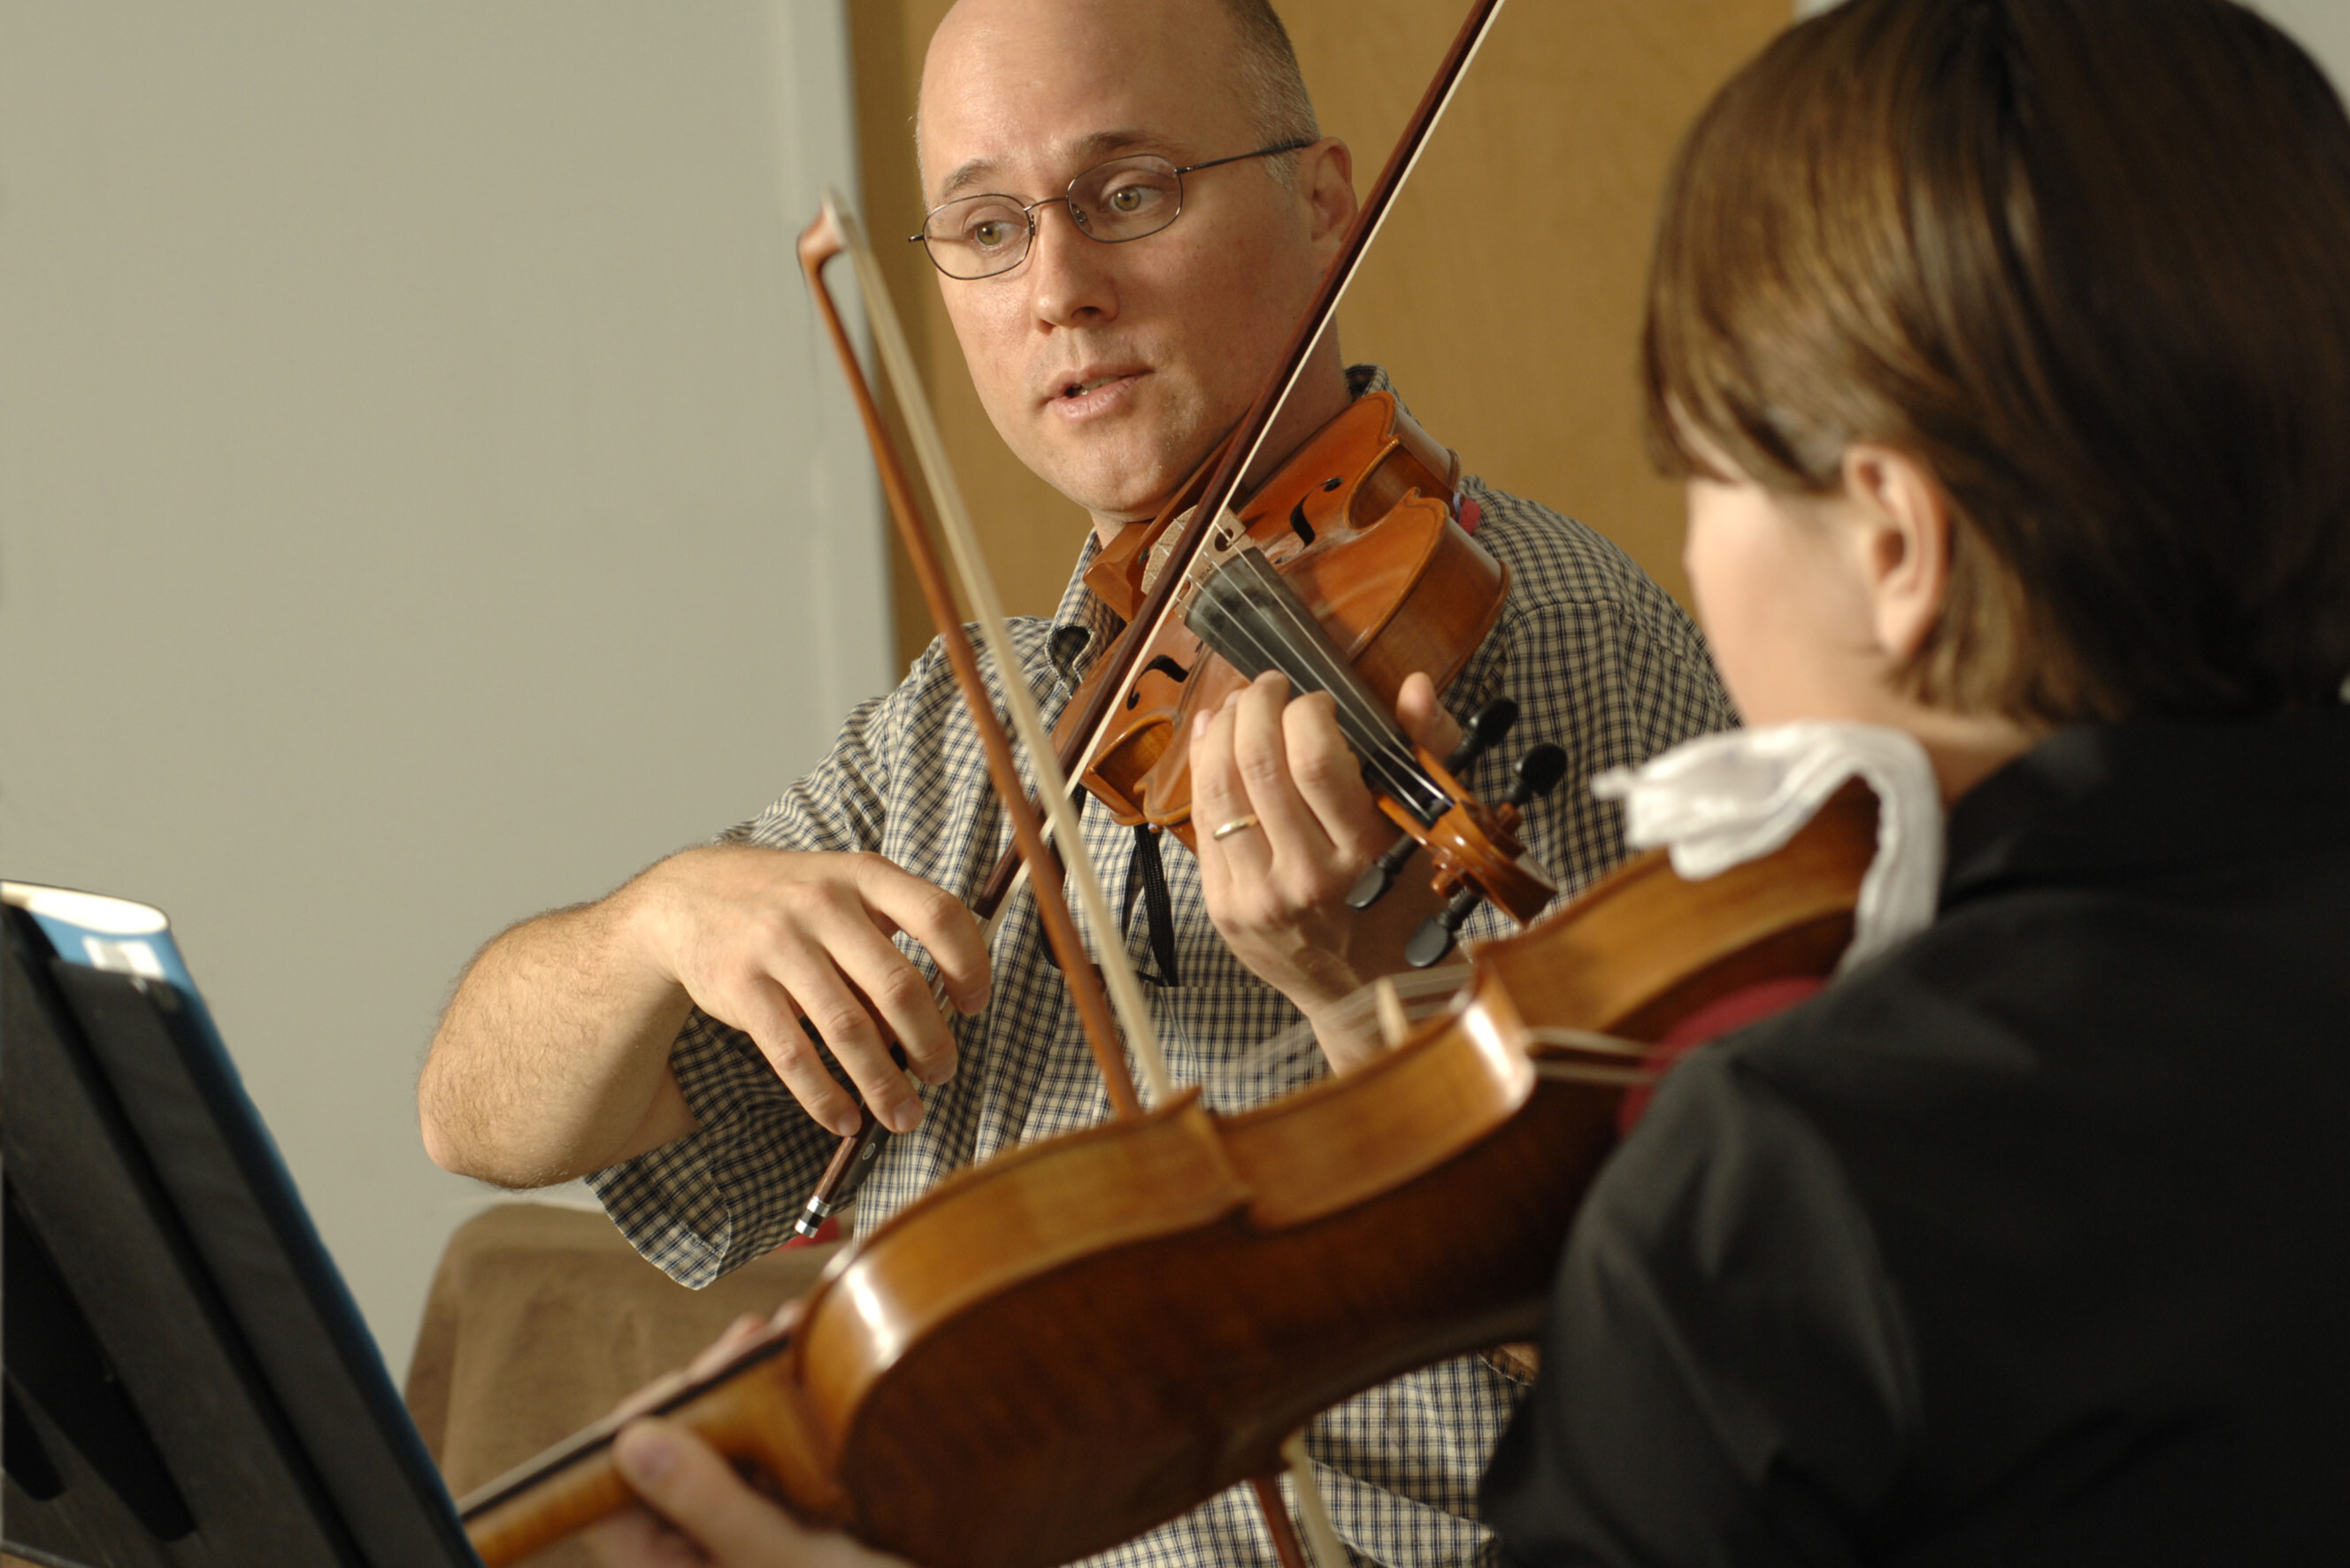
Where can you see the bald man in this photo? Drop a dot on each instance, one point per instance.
(1129, 208)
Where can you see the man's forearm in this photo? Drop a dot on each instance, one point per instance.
(553, 1058)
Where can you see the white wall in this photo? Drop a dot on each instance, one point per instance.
(423, 500)
(2322, 26)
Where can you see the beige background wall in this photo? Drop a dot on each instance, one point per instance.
(1504, 294)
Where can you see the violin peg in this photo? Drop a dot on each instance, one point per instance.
(1380, 874)
(1539, 772)
(1437, 932)
(1486, 729)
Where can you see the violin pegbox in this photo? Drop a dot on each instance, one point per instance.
(1538, 772)
(1485, 730)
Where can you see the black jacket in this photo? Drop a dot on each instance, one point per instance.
(2027, 1244)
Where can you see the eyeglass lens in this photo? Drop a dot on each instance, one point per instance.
(1125, 199)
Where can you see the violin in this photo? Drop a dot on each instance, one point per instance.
(1055, 1351)
(1350, 568)
(1049, 1353)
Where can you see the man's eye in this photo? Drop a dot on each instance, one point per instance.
(1127, 199)
(990, 234)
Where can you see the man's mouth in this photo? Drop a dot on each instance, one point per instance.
(1089, 393)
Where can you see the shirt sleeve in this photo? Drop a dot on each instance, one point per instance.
(1727, 1377)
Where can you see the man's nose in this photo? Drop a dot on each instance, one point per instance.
(1070, 279)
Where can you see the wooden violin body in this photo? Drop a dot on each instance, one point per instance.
(1363, 524)
(1054, 1352)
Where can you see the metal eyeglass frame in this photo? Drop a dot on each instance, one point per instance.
(1069, 199)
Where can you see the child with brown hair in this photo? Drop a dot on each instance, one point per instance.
(2005, 348)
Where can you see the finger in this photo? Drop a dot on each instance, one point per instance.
(891, 988)
(837, 1012)
(1295, 839)
(1218, 798)
(639, 1538)
(763, 1010)
(1423, 717)
(935, 918)
(685, 1480)
(1329, 778)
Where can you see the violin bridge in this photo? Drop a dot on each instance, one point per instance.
(1156, 562)
(1227, 537)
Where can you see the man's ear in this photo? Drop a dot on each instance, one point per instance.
(1325, 179)
(1902, 523)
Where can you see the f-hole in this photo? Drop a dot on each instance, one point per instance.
(1298, 525)
(1166, 665)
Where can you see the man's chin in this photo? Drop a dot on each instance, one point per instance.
(1117, 490)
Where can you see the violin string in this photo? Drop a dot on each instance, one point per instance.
(1382, 203)
(1267, 654)
(1116, 967)
(1260, 619)
(1277, 614)
(1310, 645)
(1377, 742)
(1294, 1056)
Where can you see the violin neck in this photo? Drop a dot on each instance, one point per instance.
(1245, 613)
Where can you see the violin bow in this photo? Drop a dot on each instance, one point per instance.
(1208, 518)
(836, 231)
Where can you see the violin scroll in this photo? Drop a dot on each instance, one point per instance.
(1485, 730)
(1538, 773)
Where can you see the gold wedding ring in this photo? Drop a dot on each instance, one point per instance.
(1235, 826)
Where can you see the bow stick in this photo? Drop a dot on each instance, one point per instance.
(1210, 524)
(837, 232)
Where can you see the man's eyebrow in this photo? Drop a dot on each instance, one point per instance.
(1085, 152)
(963, 179)
(1101, 144)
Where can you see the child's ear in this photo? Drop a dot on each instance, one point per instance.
(1901, 536)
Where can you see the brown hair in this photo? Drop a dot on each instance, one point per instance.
(2089, 262)
(1265, 62)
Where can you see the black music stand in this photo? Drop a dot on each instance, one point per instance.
(188, 1381)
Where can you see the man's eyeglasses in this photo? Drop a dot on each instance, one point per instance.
(1124, 199)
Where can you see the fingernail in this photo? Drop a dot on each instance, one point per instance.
(1200, 723)
(645, 1454)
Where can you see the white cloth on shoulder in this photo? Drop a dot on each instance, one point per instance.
(1724, 799)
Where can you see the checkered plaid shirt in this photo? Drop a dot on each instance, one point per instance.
(1599, 659)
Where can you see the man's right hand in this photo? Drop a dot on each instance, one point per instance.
(762, 938)
(553, 1058)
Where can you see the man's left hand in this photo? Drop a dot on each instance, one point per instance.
(1276, 889)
